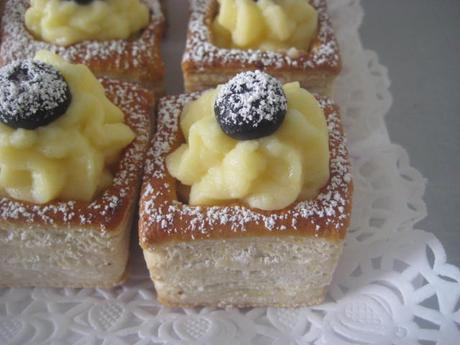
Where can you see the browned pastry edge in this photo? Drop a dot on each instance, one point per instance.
(201, 57)
(107, 211)
(314, 81)
(137, 59)
(162, 218)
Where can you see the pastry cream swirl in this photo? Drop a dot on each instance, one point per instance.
(268, 173)
(265, 24)
(69, 158)
(67, 22)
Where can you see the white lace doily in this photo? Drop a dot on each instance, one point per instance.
(392, 286)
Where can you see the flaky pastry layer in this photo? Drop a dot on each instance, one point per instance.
(288, 271)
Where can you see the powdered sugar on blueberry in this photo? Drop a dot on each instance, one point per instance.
(32, 94)
(251, 105)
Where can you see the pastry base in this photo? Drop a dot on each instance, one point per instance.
(268, 271)
(234, 255)
(71, 258)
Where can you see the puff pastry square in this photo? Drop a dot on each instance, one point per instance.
(232, 254)
(204, 65)
(78, 244)
(136, 59)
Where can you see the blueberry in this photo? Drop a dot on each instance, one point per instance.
(252, 105)
(32, 94)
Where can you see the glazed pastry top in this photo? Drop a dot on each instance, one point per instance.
(65, 22)
(268, 170)
(272, 25)
(68, 158)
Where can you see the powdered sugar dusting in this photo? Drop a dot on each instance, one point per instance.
(32, 92)
(202, 54)
(162, 213)
(114, 56)
(106, 210)
(254, 97)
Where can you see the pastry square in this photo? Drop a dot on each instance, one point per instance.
(136, 59)
(232, 254)
(78, 244)
(205, 65)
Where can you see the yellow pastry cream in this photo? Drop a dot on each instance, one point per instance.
(68, 157)
(264, 24)
(267, 168)
(65, 22)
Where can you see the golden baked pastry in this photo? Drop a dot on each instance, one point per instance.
(135, 59)
(232, 254)
(68, 22)
(60, 135)
(67, 243)
(205, 65)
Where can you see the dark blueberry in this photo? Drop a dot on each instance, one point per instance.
(82, 2)
(32, 94)
(252, 105)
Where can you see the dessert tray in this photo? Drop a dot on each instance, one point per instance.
(392, 286)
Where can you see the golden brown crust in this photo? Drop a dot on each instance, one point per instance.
(136, 59)
(164, 219)
(314, 81)
(202, 57)
(108, 210)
